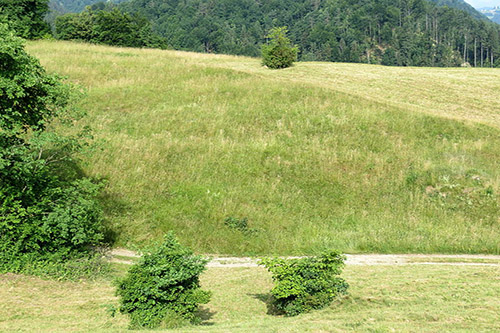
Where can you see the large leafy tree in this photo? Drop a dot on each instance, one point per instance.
(26, 17)
(105, 24)
(47, 210)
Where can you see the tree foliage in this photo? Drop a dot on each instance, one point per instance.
(304, 284)
(163, 289)
(279, 51)
(105, 24)
(75, 6)
(25, 17)
(47, 210)
(419, 32)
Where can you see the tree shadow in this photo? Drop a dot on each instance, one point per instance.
(111, 203)
(205, 315)
(268, 299)
(113, 206)
(67, 170)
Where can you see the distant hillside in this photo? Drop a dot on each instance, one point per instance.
(492, 13)
(61, 7)
(74, 6)
(406, 33)
(462, 5)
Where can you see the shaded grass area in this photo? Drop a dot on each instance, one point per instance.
(382, 299)
(190, 140)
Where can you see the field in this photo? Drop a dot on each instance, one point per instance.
(382, 299)
(361, 158)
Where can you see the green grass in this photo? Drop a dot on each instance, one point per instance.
(355, 157)
(382, 299)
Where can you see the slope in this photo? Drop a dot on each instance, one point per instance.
(74, 6)
(192, 139)
(461, 5)
(399, 33)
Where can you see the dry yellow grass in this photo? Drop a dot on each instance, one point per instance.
(471, 94)
(382, 299)
(459, 93)
(31, 304)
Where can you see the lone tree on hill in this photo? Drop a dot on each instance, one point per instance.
(279, 51)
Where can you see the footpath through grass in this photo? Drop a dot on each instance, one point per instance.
(382, 299)
(354, 157)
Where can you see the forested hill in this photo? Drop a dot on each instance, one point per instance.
(460, 4)
(492, 13)
(404, 32)
(74, 6)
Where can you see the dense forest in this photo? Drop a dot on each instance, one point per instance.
(460, 4)
(402, 32)
(74, 6)
(61, 7)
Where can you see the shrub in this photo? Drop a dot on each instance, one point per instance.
(240, 225)
(163, 289)
(278, 52)
(304, 284)
(48, 212)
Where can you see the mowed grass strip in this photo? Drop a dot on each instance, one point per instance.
(189, 140)
(382, 299)
(469, 94)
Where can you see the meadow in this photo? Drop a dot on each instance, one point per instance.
(360, 158)
(410, 298)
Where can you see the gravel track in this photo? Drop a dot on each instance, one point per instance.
(121, 255)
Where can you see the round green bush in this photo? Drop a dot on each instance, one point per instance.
(163, 289)
(304, 284)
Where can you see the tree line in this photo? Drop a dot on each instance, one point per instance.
(401, 32)
(106, 24)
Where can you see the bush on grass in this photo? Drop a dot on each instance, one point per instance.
(304, 284)
(163, 289)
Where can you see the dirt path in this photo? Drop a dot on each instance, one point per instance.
(128, 257)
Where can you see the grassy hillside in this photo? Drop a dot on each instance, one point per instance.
(382, 299)
(357, 157)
